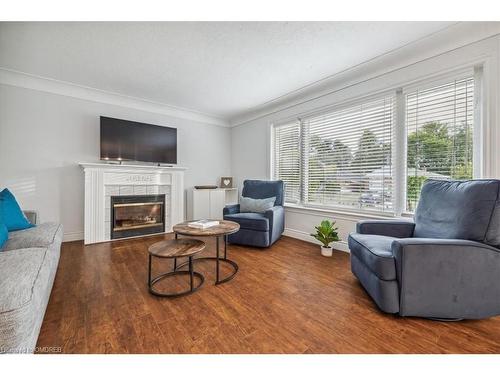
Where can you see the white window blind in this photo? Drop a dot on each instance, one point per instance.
(439, 124)
(286, 165)
(343, 157)
(347, 157)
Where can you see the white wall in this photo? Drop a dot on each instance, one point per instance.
(251, 139)
(43, 137)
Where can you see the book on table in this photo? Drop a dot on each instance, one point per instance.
(203, 224)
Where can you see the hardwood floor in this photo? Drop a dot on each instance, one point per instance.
(287, 299)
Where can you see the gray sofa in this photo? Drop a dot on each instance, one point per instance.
(445, 263)
(28, 264)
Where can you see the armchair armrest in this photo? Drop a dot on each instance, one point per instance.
(447, 278)
(32, 216)
(231, 209)
(276, 216)
(391, 228)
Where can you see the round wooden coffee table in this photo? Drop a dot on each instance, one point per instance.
(224, 229)
(175, 249)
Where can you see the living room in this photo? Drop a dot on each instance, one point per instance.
(250, 186)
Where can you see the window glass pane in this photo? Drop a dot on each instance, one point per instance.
(347, 160)
(439, 124)
(286, 160)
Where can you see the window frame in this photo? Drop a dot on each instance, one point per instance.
(399, 135)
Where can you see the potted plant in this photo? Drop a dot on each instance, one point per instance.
(326, 233)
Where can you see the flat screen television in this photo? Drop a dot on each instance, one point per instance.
(124, 140)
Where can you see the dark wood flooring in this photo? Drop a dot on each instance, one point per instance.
(287, 299)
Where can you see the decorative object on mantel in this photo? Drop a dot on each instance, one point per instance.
(326, 233)
(203, 187)
(226, 182)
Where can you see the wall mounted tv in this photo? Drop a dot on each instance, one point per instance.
(124, 140)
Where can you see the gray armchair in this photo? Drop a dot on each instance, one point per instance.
(258, 229)
(445, 264)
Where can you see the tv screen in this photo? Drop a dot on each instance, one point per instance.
(136, 141)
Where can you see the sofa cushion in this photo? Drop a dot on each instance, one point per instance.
(4, 235)
(19, 270)
(26, 278)
(10, 212)
(250, 220)
(456, 209)
(375, 253)
(40, 236)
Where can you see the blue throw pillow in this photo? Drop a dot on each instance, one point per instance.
(11, 214)
(4, 235)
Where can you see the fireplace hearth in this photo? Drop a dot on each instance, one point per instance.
(137, 215)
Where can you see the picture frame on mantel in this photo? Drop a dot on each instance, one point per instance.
(226, 182)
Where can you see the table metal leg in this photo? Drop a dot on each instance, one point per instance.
(149, 271)
(175, 259)
(217, 260)
(191, 275)
(225, 246)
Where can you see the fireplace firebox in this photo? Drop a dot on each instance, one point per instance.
(137, 215)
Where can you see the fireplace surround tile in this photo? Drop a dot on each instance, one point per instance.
(126, 190)
(140, 190)
(112, 190)
(152, 189)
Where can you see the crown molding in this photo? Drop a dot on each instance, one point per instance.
(33, 82)
(455, 36)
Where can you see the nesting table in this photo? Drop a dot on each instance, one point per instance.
(175, 249)
(224, 229)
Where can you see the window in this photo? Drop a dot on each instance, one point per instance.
(287, 159)
(346, 157)
(439, 123)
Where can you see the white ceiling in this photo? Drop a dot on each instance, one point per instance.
(223, 69)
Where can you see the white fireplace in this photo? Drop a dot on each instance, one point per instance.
(105, 181)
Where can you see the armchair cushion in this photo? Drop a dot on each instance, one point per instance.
(391, 228)
(250, 220)
(260, 189)
(375, 253)
(493, 232)
(456, 209)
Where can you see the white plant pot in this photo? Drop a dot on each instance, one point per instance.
(326, 251)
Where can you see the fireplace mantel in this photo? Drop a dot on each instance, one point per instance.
(103, 180)
(131, 167)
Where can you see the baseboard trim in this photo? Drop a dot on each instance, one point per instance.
(73, 236)
(304, 236)
(294, 233)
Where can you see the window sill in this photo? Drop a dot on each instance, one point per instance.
(358, 215)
